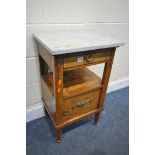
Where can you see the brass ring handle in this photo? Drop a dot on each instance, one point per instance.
(89, 57)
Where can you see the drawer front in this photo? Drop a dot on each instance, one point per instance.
(86, 58)
(81, 104)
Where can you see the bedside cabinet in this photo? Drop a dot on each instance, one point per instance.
(71, 91)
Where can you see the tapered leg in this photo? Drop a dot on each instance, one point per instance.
(97, 115)
(59, 134)
(46, 113)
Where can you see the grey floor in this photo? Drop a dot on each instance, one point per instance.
(109, 137)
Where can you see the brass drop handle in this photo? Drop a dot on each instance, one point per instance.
(89, 57)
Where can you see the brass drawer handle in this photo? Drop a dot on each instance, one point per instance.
(81, 104)
(66, 113)
(89, 57)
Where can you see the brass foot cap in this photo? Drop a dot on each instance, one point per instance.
(58, 141)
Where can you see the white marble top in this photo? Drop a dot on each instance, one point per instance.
(70, 42)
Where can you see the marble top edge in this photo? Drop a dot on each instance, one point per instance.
(84, 49)
(74, 42)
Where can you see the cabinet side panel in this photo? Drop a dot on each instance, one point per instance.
(48, 57)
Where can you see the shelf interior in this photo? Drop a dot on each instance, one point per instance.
(79, 81)
(75, 82)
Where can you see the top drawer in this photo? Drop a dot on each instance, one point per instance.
(87, 57)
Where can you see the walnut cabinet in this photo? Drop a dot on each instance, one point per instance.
(70, 90)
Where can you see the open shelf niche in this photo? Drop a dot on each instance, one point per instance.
(75, 82)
